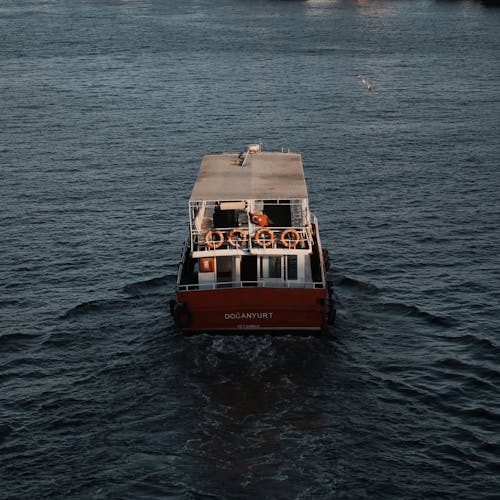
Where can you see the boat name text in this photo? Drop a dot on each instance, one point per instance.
(248, 315)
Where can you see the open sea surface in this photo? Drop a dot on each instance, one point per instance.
(106, 108)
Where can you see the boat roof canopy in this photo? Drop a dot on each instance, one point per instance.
(260, 176)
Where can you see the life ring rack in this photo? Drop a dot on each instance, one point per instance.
(237, 237)
(264, 242)
(285, 238)
(214, 243)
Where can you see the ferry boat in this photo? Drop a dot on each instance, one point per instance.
(253, 260)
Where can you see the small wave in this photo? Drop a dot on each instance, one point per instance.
(142, 287)
(15, 339)
(9, 302)
(481, 413)
(406, 310)
(473, 286)
(319, 51)
(5, 431)
(353, 283)
(485, 375)
(475, 341)
(93, 306)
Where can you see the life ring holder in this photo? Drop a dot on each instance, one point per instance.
(287, 242)
(241, 237)
(214, 243)
(262, 242)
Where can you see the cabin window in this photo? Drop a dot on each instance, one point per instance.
(291, 267)
(249, 270)
(224, 269)
(274, 267)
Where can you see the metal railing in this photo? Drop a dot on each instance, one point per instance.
(246, 283)
(253, 237)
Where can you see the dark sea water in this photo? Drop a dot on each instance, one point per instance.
(105, 110)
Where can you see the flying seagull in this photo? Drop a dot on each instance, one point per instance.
(364, 81)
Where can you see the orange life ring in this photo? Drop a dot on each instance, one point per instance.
(214, 243)
(263, 242)
(241, 237)
(290, 243)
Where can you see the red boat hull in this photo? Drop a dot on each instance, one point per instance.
(252, 308)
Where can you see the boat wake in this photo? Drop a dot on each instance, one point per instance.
(153, 286)
(414, 311)
(345, 281)
(377, 305)
(93, 306)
